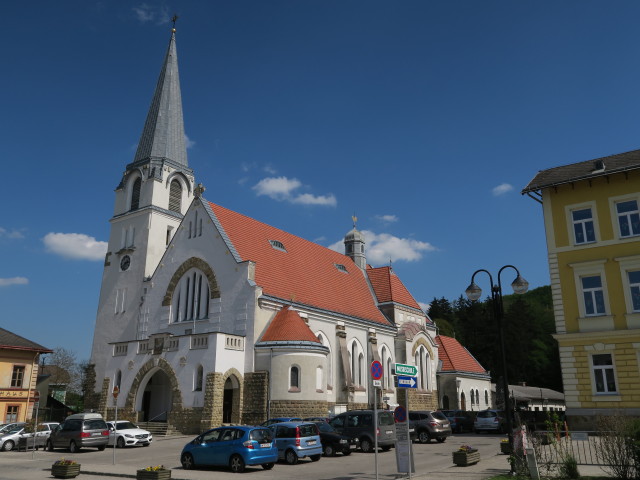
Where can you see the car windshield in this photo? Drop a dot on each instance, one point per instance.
(261, 435)
(308, 429)
(385, 418)
(325, 427)
(438, 416)
(124, 425)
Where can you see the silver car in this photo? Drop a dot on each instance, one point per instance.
(489, 420)
(9, 439)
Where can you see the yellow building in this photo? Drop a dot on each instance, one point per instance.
(18, 374)
(592, 222)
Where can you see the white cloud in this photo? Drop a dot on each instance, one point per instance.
(387, 218)
(270, 170)
(188, 142)
(502, 189)
(10, 233)
(278, 188)
(308, 199)
(7, 282)
(283, 189)
(382, 247)
(149, 13)
(75, 246)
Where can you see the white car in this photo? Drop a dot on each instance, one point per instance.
(127, 434)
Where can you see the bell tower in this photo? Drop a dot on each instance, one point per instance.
(151, 199)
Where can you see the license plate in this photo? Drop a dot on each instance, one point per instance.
(96, 434)
(265, 445)
(389, 432)
(311, 442)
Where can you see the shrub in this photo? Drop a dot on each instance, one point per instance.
(618, 446)
(569, 468)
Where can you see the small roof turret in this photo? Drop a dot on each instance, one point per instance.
(354, 245)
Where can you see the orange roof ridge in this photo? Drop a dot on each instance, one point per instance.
(288, 326)
(389, 288)
(455, 357)
(303, 271)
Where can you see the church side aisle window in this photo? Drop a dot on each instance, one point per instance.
(191, 297)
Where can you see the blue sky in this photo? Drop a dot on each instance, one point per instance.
(424, 119)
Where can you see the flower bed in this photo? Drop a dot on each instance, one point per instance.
(65, 469)
(153, 473)
(466, 456)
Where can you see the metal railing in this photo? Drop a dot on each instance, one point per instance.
(553, 447)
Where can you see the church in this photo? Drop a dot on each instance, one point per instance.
(207, 316)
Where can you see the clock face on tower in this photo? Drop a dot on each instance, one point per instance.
(125, 262)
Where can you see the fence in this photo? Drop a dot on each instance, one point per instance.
(552, 447)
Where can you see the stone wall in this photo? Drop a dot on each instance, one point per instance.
(418, 400)
(213, 397)
(299, 408)
(256, 396)
(105, 396)
(187, 420)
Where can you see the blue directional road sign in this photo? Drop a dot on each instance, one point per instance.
(407, 382)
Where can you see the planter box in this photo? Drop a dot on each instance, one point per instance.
(505, 448)
(153, 474)
(464, 459)
(65, 471)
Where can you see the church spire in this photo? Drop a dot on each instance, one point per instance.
(163, 135)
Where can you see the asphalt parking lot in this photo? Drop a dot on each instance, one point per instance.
(432, 460)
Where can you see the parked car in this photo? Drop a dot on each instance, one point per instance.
(271, 421)
(127, 434)
(429, 425)
(460, 420)
(39, 439)
(489, 420)
(5, 427)
(236, 447)
(297, 440)
(79, 431)
(359, 424)
(10, 438)
(333, 442)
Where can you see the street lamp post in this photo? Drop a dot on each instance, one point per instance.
(519, 285)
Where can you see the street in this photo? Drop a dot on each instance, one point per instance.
(428, 458)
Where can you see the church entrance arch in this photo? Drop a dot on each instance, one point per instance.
(154, 392)
(231, 400)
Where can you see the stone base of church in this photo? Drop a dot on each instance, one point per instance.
(418, 400)
(299, 408)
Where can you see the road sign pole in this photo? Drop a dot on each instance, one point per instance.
(116, 392)
(375, 426)
(406, 398)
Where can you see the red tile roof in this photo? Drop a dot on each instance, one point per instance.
(389, 288)
(287, 325)
(455, 357)
(305, 273)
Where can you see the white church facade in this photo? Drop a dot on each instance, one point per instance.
(207, 316)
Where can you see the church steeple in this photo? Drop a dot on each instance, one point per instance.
(354, 246)
(163, 134)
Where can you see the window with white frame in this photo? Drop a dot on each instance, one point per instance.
(17, 376)
(583, 228)
(421, 359)
(357, 363)
(593, 295)
(604, 377)
(628, 218)
(322, 339)
(634, 290)
(191, 297)
(386, 368)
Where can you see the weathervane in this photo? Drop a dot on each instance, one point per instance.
(174, 19)
(355, 220)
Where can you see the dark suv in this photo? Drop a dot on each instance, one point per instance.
(359, 424)
(79, 431)
(429, 424)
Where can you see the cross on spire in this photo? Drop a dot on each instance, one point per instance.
(174, 19)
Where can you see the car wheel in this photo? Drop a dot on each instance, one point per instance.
(120, 442)
(441, 440)
(73, 448)
(268, 466)
(423, 436)
(346, 452)
(8, 446)
(101, 448)
(49, 446)
(329, 451)
(314, 458)
(290, 457)
(236, 464)
(365, 445)
(187, 461)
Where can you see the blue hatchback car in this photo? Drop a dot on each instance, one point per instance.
(297, 440)
(235, 447)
